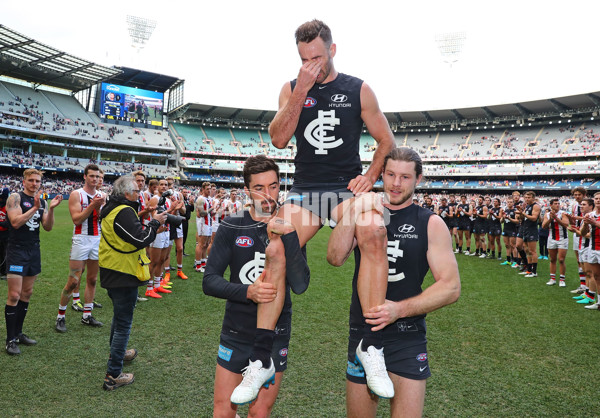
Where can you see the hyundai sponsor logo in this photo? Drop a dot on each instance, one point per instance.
(339, 98)
(406, 229)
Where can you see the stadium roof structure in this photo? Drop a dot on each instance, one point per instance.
(536, 111)
(26, 59)
(144, 79)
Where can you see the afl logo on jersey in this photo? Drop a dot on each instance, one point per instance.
(27, 204)
(244, 242)
(310, 102)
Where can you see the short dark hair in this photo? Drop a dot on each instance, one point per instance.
(92, 167)
(309, 31)
(530, 193)
(258, 164)
(589, 200)
(554, 200)
(579, 189)
(405, 154)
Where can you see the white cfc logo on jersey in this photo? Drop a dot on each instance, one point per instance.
(316, 132)
(393, 252)
(33, 223)
(252, 269)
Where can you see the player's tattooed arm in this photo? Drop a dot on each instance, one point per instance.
(14, 212)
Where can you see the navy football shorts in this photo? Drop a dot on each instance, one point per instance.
(234, 353)
(404, 349)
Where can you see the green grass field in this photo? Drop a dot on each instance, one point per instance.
(509, 347)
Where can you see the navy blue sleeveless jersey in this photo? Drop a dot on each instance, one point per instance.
(495, 217)
(528, 223)
(239, 244)
(30, 232)
(479, 211)
(328, 132)
(407, 256)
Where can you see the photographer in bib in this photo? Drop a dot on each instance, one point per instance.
(122, 258)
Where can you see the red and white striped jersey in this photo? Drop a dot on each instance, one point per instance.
(91, 225)
(206, 220)
(595, 234)
(557, 231)
(576, 211)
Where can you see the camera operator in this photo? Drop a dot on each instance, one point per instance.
(122, 248)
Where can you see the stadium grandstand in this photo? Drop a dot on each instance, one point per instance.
(58, 113)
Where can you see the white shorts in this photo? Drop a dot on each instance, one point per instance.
(161, 241)
(204, 230)
(593, 257)
(561, 244)
(84, 247)
(584, 254)
(576, 242)
(215, 227)
(179, 231)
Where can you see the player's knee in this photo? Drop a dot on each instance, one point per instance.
(12, 297)
(275, 250)
(372, 235)
(260, 410)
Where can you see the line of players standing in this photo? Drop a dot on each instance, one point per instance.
(521, 222)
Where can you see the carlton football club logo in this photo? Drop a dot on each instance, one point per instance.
(252, 269)
(394, 252)
(316, 132)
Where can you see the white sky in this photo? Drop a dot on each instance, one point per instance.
(239, 53)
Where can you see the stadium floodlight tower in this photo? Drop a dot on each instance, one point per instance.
(450, 45)
(140, 30)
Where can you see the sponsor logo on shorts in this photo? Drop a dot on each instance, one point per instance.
(310, 102)
(283, 352)
(244, 242)
(421, 369)
(422, 357)
(16, 269)
(355, 370)
(225, 353)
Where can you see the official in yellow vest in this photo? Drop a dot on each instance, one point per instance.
(123, 267)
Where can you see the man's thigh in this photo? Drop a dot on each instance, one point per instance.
(409, 397)
(306, 223)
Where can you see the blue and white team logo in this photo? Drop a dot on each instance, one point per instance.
(33, 223)
(244, 242)
(317, 130)
(394, 252)
(252, 269)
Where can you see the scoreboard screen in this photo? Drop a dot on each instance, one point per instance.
(131, 104)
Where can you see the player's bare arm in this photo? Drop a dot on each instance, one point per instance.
(48, 216)
(379, 129)
(77, 214)
(291, 103)
(15, 213)
(445, 290)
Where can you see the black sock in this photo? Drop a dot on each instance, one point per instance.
(371, 338)
(263, 344)
(21, 313)
(10, 315)
(533, 268)
(460, 249)
(493, 254)
(507, 258)
(523, 254)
